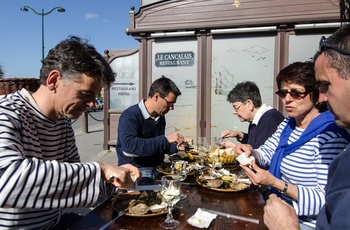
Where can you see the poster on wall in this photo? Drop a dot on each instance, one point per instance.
(177, 60)
(236, 60)
(124, 91)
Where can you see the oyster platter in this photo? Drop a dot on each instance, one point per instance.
(224, 180)
(166, 168)
(139, 203)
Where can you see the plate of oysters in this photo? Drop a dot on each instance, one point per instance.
(139, 203)
(167, 168)
(224, 180)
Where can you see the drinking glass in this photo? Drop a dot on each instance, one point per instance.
(179, 168)
(214, 160)
(214, 152)
(202, 148)
(170, 192)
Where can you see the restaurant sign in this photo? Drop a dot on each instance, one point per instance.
(174, 59)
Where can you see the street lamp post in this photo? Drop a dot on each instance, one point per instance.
(42, 14)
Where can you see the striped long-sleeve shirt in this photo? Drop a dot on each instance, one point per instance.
(306, 168)
(40, 168)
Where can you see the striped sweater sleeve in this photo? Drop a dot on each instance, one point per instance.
(307, 167)
(40, 168)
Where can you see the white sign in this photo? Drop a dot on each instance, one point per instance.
(124, 92)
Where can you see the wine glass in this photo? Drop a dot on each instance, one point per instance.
(202, 148)
(214, 153)
(170, 192)
(179, 168)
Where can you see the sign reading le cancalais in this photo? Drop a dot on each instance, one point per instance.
(174, 59)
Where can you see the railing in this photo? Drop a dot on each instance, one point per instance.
(10, 85)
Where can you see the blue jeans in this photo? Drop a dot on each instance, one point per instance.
(148, 175)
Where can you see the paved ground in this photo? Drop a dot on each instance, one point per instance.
(90, 147)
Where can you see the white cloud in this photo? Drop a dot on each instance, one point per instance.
(90, 16)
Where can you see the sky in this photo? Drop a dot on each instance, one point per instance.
(102, 22)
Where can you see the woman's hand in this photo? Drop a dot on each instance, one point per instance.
(259, 176)
(243, 148)
(229, 133)
(228, 144)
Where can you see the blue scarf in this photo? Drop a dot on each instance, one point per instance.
(321, 124)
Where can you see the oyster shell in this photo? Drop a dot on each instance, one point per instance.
(132, 204)
(139, 209)
(157, 208)
(214, 183)
(239, 186)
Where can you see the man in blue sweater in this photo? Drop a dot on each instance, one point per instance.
(332, 65)
(141, 131)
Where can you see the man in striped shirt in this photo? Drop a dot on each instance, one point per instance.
(40, 168)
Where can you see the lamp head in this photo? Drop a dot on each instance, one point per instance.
(60, 9)
(24, 9)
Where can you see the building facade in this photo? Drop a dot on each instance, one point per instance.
(208, 46)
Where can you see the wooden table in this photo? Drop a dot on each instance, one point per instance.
(247, 203)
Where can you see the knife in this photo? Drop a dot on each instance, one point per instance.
(148, 187)
(248, 219)
(185, 183)
(120, 214)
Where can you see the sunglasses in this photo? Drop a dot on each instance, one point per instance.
(323, 46)
(293, 93)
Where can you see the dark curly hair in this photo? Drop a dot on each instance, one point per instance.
(163, 86)
(301, 73)
(74, 57)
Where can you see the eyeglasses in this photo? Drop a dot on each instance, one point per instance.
(293, 93)
(323, 45)
(170, 104)
(236, 108)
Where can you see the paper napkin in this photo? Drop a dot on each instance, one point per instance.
(201, 219)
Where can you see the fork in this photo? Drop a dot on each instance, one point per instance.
(219, 141)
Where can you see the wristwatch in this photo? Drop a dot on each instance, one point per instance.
(284, 191)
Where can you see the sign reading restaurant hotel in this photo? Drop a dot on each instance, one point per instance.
(174, 59)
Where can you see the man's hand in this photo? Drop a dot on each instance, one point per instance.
(135, 173)
(278, 215)
(176, 138)
(186, 144)
(120, 176)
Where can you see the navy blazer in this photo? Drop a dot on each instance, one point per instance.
(267, 125)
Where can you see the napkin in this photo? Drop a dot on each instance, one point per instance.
(201, 219)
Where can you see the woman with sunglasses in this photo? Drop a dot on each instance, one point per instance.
(299, 153)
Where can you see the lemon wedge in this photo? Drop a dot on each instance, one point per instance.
(227, 178)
